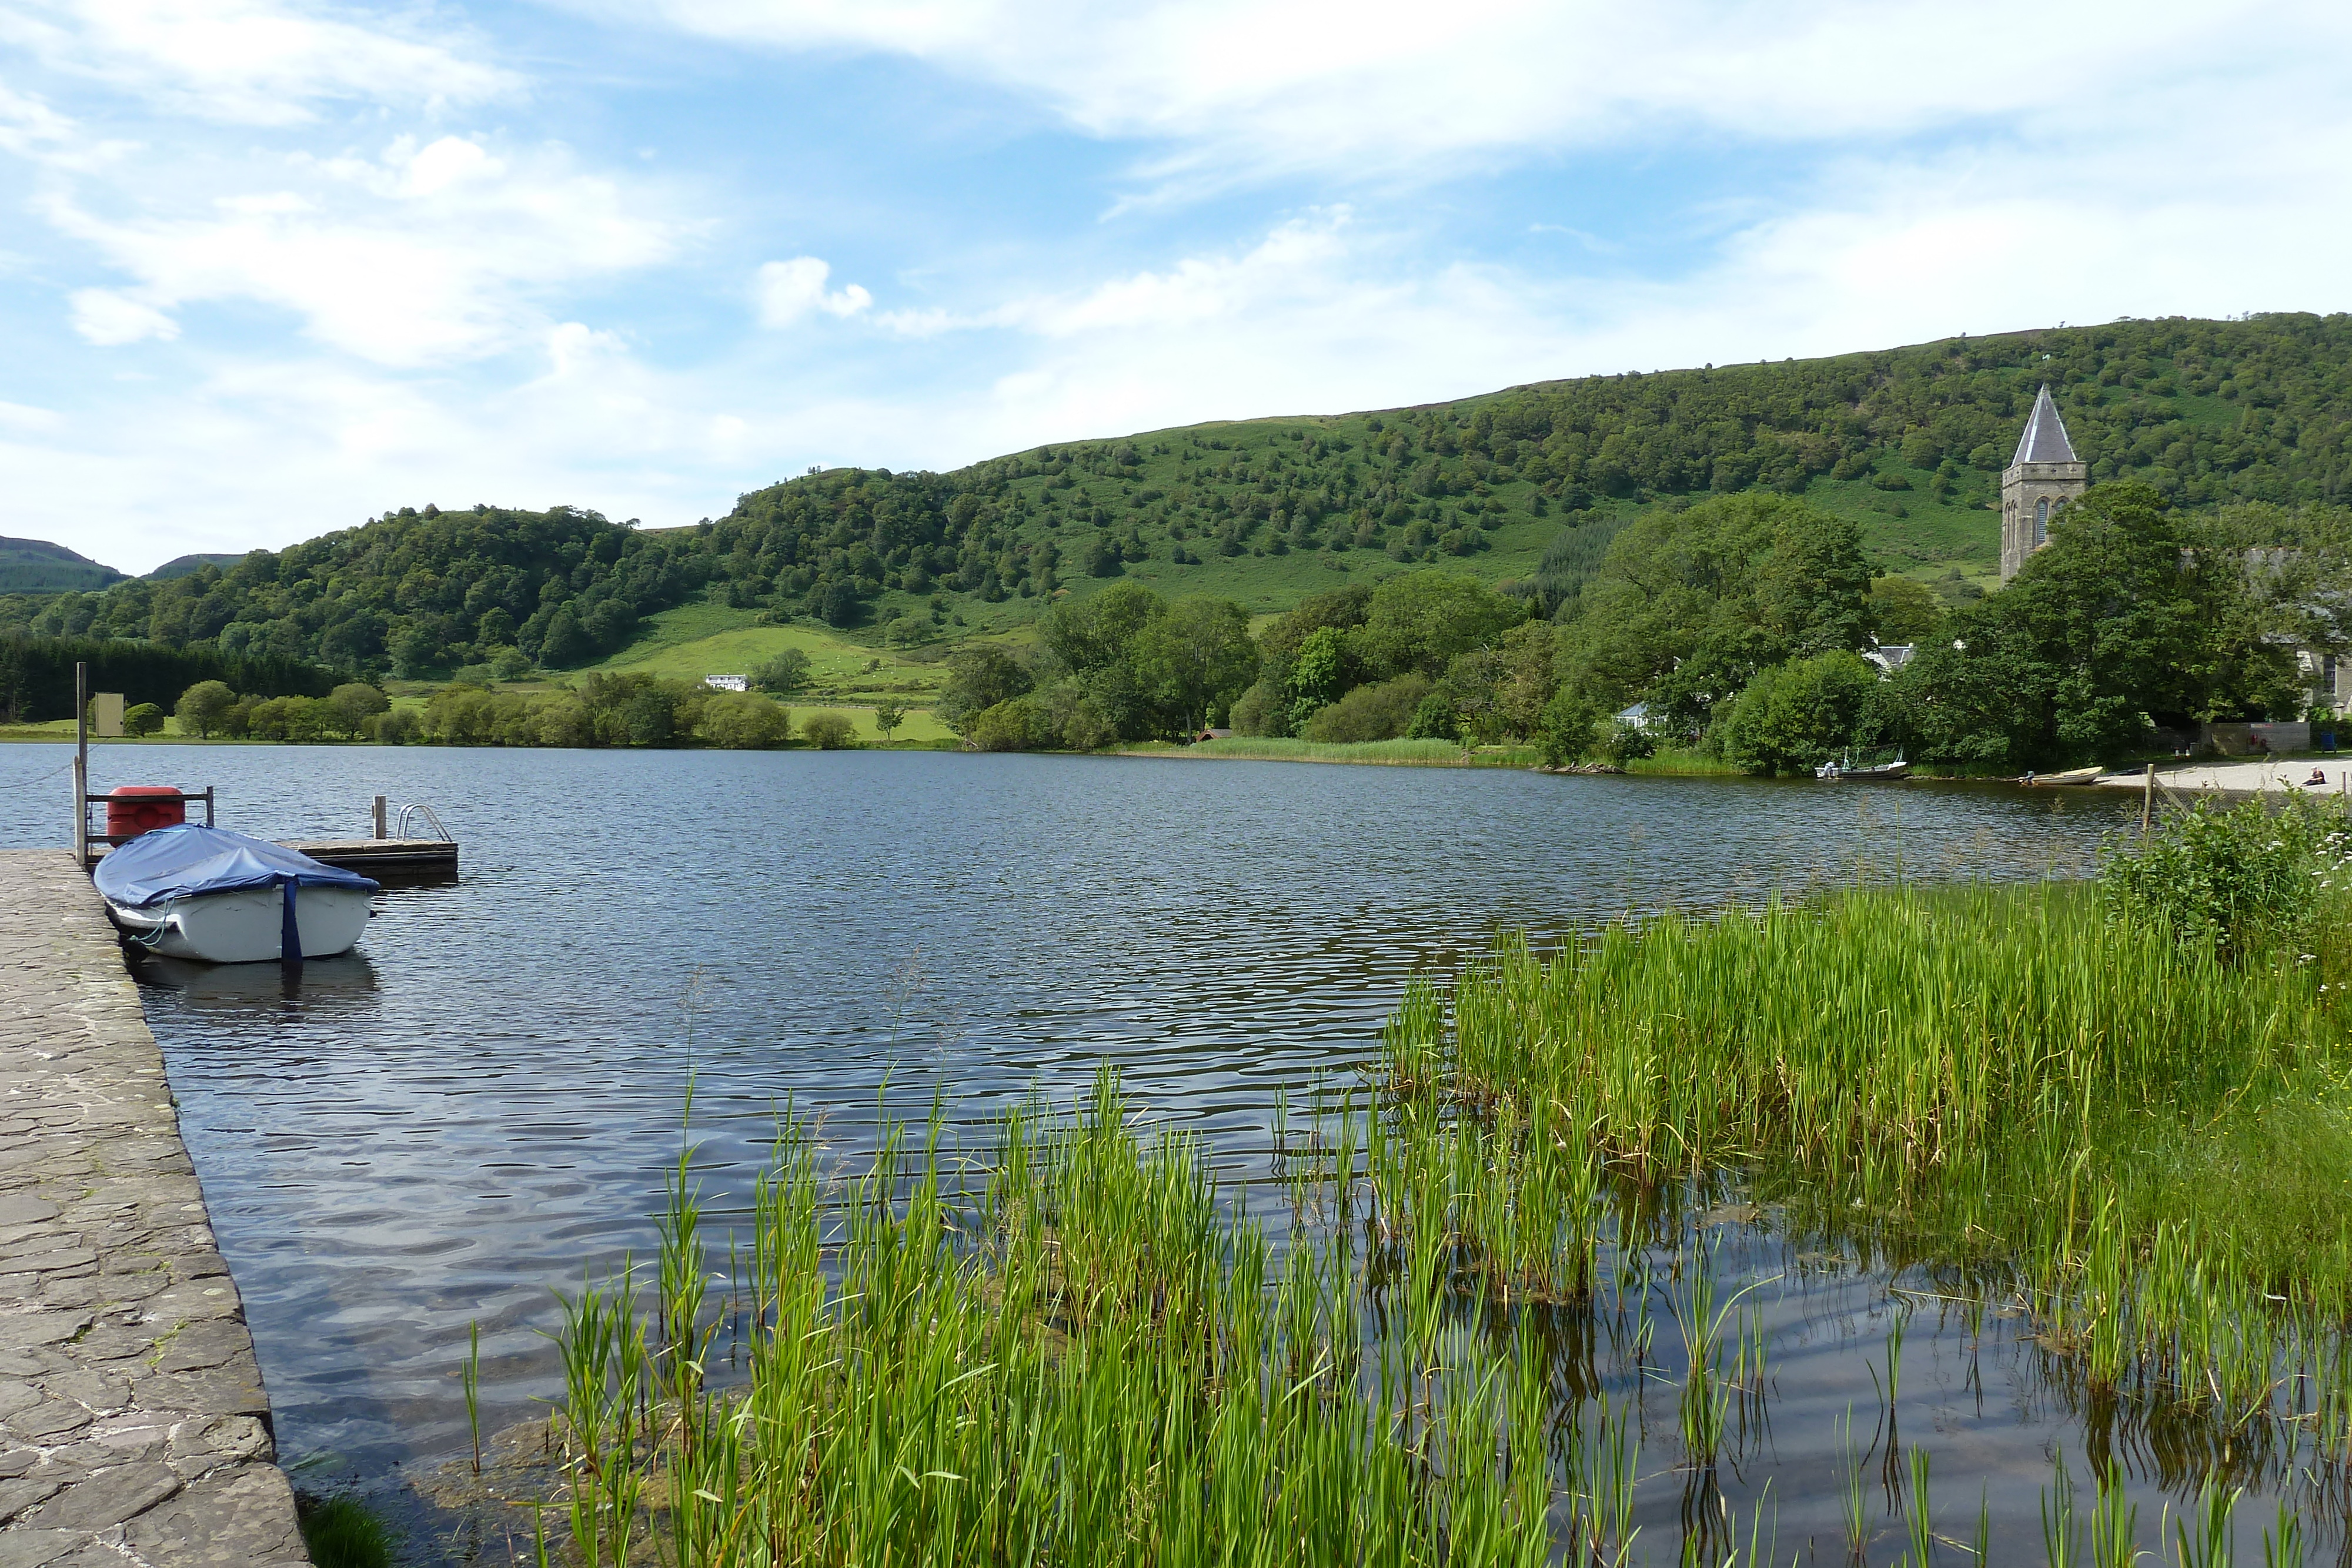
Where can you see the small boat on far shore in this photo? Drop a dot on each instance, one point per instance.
(2072, 776)
(1898, 768)
(218, 897)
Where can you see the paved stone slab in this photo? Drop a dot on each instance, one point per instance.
(133, 1425)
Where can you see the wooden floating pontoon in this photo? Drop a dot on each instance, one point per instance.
(389, 854)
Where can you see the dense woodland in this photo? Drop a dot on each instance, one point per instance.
(1736, 628)
(37, 674)
(2204, 412)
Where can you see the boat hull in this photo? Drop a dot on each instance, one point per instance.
(245, 927)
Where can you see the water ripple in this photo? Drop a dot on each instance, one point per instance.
(481, 1101)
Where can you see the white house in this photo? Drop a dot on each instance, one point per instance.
(728, 682)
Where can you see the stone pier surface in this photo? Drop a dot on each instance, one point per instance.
(133, 1425)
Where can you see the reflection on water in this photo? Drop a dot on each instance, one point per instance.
(476, 1104)
(232, 989)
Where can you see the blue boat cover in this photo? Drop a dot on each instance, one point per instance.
(189, 860)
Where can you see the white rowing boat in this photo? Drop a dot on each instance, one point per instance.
(219, 897)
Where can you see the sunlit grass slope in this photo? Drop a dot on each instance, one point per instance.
(697, 640)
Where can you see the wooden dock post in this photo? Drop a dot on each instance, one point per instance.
(379, 817)
(81, 766)
(2147, 798)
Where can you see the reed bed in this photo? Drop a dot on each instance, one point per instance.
(1085, 1360)
(1502, 1307)
(2143, 1145)
(1871, 1035)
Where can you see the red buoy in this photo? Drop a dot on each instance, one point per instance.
(132, 810)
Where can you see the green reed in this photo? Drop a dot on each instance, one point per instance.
(2141, 1142)
(2203, 1536)
(1086, 1358)
(1875, 1034)
(470, 1382)
(1062, 1346)
(1852, 1512)
(1920, 1518)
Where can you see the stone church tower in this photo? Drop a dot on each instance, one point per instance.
(2043, 476)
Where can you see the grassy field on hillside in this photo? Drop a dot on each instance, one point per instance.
(697, 640)
(917, 725)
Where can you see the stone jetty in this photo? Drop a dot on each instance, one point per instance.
(133, 1425)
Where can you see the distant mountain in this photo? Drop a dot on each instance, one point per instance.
(36, 566)
(187, 565)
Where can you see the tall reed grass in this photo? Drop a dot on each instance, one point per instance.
(1065, 1345)
(2142, 1138)
(1085, 1360)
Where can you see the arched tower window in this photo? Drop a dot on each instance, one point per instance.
(2041, 522)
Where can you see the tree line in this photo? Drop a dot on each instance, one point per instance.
(1737, 627)
(37, 673)
(600, 710)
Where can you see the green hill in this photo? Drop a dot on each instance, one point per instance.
(1525, 485)
(182, 566)
(1907, 442)
(36, 566)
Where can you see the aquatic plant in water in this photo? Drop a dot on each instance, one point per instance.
(1068, 1345)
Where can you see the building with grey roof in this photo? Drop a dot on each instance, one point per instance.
(2043, 476)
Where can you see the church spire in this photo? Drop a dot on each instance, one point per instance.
(2044, 440)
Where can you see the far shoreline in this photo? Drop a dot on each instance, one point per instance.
(2225, 779)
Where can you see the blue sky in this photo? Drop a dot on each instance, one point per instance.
(270, 267)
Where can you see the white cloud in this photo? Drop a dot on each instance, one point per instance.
(424, 256)
(250, 62)
(28, 125)
(1194, 290)
(1271, 85)
(24, 416)
(788, 290)
(110, 319)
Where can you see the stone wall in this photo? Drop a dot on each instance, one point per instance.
(2021, 486)
(134, 1425)
(2237, 739)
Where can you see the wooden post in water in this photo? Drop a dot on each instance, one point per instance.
(2147, 798)
(81, 766)
(379, 817)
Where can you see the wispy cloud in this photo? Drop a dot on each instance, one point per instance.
(422, 254)
(251, 61)
(1233, 88)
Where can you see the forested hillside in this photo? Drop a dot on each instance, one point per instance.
(411, 590)
(1525, 486)
(36, 566)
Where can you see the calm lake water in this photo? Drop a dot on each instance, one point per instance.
(478, 1105)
